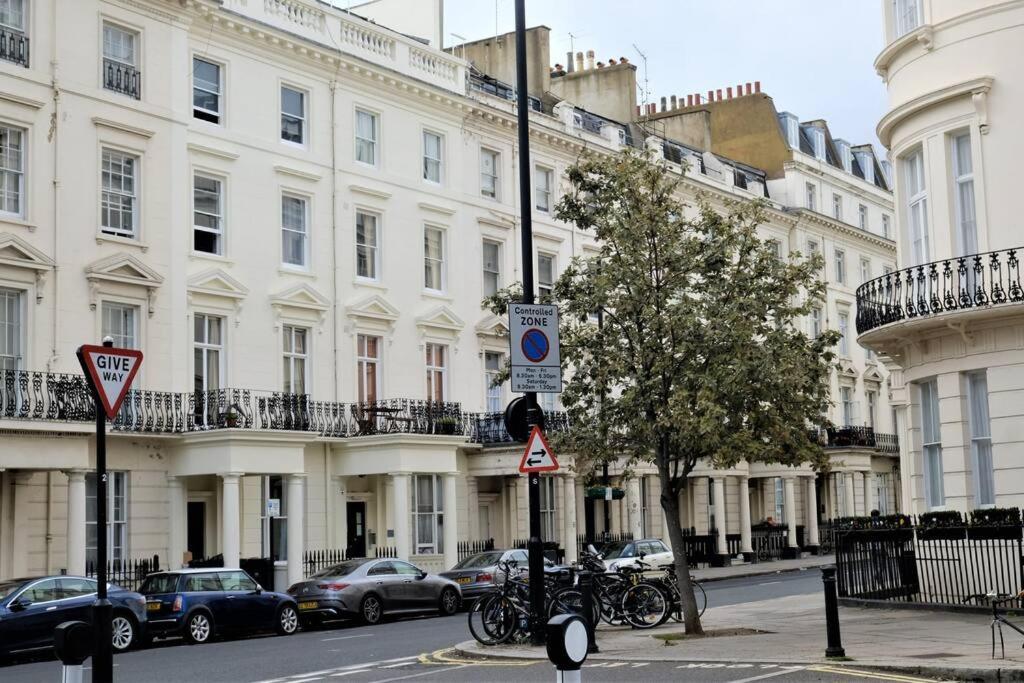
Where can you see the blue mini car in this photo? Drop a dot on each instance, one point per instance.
(201, 603)
(31, 608)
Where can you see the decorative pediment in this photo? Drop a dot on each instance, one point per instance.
(492, 327)
(439, 322)
(216, 282)
(18, 253)
(122, 269)
(301, 298)
(847, 369)
(374, 307)
(871, 374)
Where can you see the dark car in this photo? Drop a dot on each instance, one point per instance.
(31, 608)
(480, 573)
(201, 603)
(369, 589)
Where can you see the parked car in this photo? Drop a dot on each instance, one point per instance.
(31, 608)
(369, 589)
(201, 603)
(479, 573)
(625, 553)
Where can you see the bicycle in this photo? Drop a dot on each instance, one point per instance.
(668, 584)
(504, 614)
(998, 620)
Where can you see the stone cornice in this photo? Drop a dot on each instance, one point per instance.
(977, 88)
(844, 229)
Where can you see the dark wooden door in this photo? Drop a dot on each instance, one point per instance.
(196, 530)
(356, 512)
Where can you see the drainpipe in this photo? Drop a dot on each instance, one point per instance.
(52, 362)
(49, 522)
(334, 234)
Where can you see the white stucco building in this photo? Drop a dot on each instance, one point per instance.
(950, 321)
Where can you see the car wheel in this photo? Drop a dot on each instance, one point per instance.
(199, 628)
(122, 632)
(287, 620)
(371, 610)
(449, 602)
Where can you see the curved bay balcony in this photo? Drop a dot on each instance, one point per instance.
(965, 283)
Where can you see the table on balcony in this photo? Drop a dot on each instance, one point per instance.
(380, 420)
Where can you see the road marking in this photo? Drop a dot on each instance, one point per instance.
(773, 674)
(422, 673)
(395, 666)
(878, 676)
(617, 664)
(637, 666)
(769, 583)
(346, 673)
(365, 666)
(361, 635)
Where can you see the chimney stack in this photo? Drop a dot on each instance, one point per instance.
(749, 88)
(689, 100)
(673, 100)
(568, 60)
(663, 104)
(711, 95)
(728, 92)
(579, 61)
(638, 111)
(757, 86)
(590, 60)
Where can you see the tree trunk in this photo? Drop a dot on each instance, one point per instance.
(670, 507)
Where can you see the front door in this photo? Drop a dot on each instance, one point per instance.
(485, 521)
(196, 530)
(356, 542)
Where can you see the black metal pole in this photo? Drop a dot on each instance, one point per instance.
(835, 642)
(535, 547)
(102, 611)
(587, 589)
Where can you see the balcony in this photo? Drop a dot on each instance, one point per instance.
(14, 46)
(980, 281)
(850, 436)
(54, 397)
(122, 78)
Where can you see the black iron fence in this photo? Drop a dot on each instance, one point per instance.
(14, 46)
(975, 281)
(122, 78)
(768, 541)
(315, 560)
(128, 574)
(467, 548)
(489, 428)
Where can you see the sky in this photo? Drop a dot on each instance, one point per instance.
(814, 58)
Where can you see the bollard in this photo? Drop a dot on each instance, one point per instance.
(835, 641)
(72, 641)
(587, 589)
(567, 646)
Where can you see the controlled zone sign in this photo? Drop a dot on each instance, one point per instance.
(538, 456)
(533, 341)
(110, 372)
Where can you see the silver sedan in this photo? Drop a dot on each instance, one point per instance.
(369, 589)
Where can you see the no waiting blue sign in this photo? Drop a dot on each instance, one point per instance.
(533, 341)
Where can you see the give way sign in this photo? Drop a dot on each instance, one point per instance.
(538, 456)
(110, 372)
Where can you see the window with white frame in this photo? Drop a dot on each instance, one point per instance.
(494, 362)
(840, 261)
(547, 507)
(491, 267)
(437, 371)
(981, 439)
(489, 164)
(294, 234)
(368, 367)
(120, 322)
(847, 406)
(963, 194)
(432, 156)
(645, 495)
(296, 358)
(11, 329)
(931, 438)
(817, 136)
(12, 170)
(207, 214)
(542, 180)
(12, 15)
(844, 337)
(865, 270)
(117, 517)
(548, 402)
(862, 216)
(120, 60)
(917, 206)
(881, 484)
(872, 397)
(207, 365)
(206, 90)
(293, 115)
(886, 226)
(367, 124)
(780, 501)
(906, 16)
(817, 322)
(837, 206)
(810, 196)
(119, 197)
(367, 245)
(776, 248)
(433, 259)
(274, 530)
(545, 275)
(427, 514)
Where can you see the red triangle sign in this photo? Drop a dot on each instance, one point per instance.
(538, 456)
(110, 372)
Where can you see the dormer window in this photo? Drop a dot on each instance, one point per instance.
(577, 119)
(817, 137)
(790, 129)
(867, 165)
(845, 156)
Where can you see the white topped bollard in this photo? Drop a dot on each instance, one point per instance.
(73, 641)
(567, 646)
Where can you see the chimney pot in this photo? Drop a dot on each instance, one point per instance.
(600, 65)
(638, 110)
(739, 91)
(757, 86)
(689, 100)
(728, 92)
(750, 88)
(718, 95)
(623, 60)
(590, 59)
(611, 62)
(663, 104)
(673, 100)
(569, 61)
(711, 95)
(579, 61)
(652, 108)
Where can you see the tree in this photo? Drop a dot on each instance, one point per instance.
(700, 356)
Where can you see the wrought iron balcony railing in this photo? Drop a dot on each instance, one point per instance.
(122, 78)
(489, 428)
(963, 283)
(851, 436)
(14, 46)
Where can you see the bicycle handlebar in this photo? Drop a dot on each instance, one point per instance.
(994, 598)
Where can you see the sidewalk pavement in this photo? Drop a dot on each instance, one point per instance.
(737, 571)
(944, 645)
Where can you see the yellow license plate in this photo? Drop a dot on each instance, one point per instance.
(153, 606)
(309, 605)
(464, 579)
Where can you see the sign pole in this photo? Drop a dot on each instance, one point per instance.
(535, 546)
(102, 610)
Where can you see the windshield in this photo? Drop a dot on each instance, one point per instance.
(342, 569)
(8, 587)
(619, 549)
(480, 560)
(160, 583)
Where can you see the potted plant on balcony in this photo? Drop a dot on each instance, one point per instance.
(446, 425)
(232, 417)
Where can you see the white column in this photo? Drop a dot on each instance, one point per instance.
(76, 523)
(906, 501)
(858, 485)
(569, 531)
(473, 508)
(812, 512)
(296, 517)
(719, 492)
(633, 507)
(869, 493)
(849, 505)
(20, 522)
(451, 521)
(176, 521)
(230, 533)
(340, 490)
(745, 545)
(402, 516)
(790, 493)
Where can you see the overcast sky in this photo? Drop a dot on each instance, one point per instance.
(814, 58)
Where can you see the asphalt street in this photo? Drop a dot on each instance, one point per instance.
(420, 648)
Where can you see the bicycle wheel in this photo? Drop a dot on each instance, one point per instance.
(701, 597)
(570, 601)
(644, 605)
(492, 620)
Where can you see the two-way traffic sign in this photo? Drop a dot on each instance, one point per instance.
(538, 456)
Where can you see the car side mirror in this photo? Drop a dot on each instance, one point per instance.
(18, 605)
(422, 575)
(643, 555)
(259, 589)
